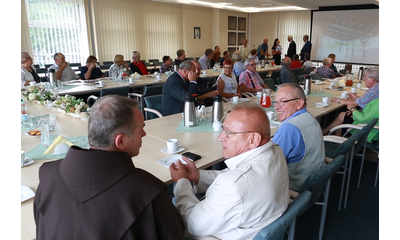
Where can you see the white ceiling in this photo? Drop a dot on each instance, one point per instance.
(270, 5)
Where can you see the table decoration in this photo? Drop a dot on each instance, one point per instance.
(69, 105)
(38, 94)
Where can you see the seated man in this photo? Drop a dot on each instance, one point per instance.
(287, 75)
(63, 71)
(98, 193)
(235, 206)
(178, 86)
(167, 65)
(299, 136)
(205, 59)
(250, 80)
(181, 57)
(204, 96)
(225, 55)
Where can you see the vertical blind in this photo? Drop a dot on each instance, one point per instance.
(57, 26)
(122, 26)
(295, 23)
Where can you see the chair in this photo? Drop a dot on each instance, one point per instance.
(122, 91)
(270, 83)
(276, 230)
(360, 145)
(149, 90)
(128, 62)
(278, 80)
(36, 66)
(189, 58)
(153, 107)
(41, 70)
(108, 63)
(275, 75)
(316, 76)
(317, 183)
(153, 60)
(74, 65)
(47, 65)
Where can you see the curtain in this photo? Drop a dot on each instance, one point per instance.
(57, 26)
(122, 26)
(295, 23)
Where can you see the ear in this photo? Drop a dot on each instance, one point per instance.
(119, 142)
(300, 104)
(254, 140)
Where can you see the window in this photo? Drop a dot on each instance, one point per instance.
(57, 26)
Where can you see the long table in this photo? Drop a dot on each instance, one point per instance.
(158, 131)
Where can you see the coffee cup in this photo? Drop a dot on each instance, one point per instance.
(259, 94)
(317, 82)
(22, 157)
(235, 99)
(345, 95)
(32, 83)
(204, 72)
(353, 90)
(131, 80)
(217, 126)
(358, 85)
(325, 100)
(159, 77)
(101, 83)
(172, 144)
(270, 115)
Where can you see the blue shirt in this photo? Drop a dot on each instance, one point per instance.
(238, 68)
(290, 139)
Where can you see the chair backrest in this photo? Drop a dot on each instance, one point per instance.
(153, 90)
(270, 83)
(108, 63)
(41, 70)
(122, 91)
(153, 102)
(299, 71)
(275, 75)
(278, 80)
(316, 76)
(316, 182)
(276, 230)
(346, 145)
(153, 60)
(364, 135)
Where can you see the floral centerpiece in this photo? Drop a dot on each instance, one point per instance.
(72, 106)
(38, 94)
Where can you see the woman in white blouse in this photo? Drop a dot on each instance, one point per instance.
(227, 85)
(28, 71)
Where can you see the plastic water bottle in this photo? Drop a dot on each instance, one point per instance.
(24, 114)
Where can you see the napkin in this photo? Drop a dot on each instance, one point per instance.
(57, 141)
(136, 75)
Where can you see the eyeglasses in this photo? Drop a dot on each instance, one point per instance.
(253, 64)
(231, 133)
(281, 103)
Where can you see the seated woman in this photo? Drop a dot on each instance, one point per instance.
(137, 65)
(167, 65)
(325, 70)
(333, 67)
(91, 70)
(295, 63)
(28, 71)
(227, 85)
(215, 58)
(118, 65)
(238, 66)
(355, 117)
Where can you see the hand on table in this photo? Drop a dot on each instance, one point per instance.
(335, 100)
(353, 95)
(189, 170)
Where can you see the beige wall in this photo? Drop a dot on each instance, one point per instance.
(263, 25)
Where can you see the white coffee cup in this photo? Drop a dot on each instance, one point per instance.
(172, 144)
(235, 99)
(131, 80)
(101, 83)
(325, 100)
(270, 115)
(22, 157)
(345, 95)
(217, 126)
(159, 77)
(204, 72)
(353, 90)
(306, 91)
(259, 94)
(317, 82)
(358, 85)
(32, 83)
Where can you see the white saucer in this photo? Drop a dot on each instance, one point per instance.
(275, 124)
(336, 89)
(98, 86)
(29, 162)
(130, 83)
(165, 150)
(321, 104)
(166, 162)
(26, 193)
(321, 83)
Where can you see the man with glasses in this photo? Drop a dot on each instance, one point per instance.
(299, 136)
(243, 198)
(250, 80)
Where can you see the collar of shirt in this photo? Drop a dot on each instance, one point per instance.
(235, 162)
(301, 111)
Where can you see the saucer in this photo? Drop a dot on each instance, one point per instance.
(321, 83)
(166, 162)
(321, 104)
(26, 193)
(165, 150)
(29, 162)
(98, 86)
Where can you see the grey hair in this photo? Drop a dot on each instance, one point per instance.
(236, 57)
(287, 62)
(247, 62)
(57, 55)
(326, 61)
(24, 57)
(109, 116)
(298, 92)
(290, 37)
(136, 53)
(373, 73)
(186, 65)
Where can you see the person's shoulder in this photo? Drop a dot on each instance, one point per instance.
(148, 178)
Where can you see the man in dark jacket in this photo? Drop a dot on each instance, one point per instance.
(292, 47)
(98, 193)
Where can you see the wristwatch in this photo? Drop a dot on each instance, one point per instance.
(339, 100)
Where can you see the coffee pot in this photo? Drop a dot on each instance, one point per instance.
(189, 112)
(217, 109)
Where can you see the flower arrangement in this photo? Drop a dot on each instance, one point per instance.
(71, 105)
(39, 94)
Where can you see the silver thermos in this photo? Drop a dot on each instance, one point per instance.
(361, 74)
(307, 84)
(217, 109)
(262, 63)
(52, 77)
(176, 67)
(189, 112)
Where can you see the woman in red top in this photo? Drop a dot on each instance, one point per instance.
(137, 65)
(295, 63)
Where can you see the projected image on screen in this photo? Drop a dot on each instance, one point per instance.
(352, 35)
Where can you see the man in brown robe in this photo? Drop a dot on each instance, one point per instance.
(98, 193)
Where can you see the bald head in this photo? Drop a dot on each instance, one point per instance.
(287, 62)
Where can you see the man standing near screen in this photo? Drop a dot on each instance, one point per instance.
(292, 47)
(306, 48)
